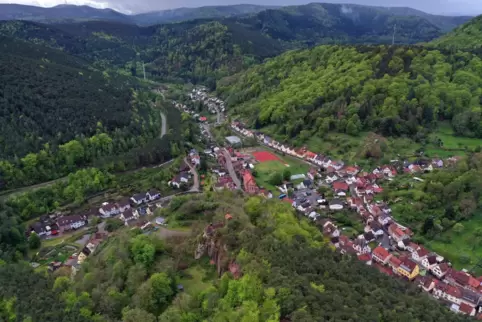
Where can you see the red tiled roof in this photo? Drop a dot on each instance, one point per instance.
(405, 261)
(422, 252)
(364, 257)
(290, 201)
(381, 252)
(395, 230)
(454, 291)
(465, 308)
(338, 185)
(395, 261)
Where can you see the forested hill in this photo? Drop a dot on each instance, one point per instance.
(182, 14)
(325, 23)
(58, 115)
(390, 90)
(467, 36)
(10, 11)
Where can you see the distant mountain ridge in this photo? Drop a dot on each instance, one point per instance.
(466, 36)
(63, 13)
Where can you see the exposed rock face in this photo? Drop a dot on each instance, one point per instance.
(212, 246)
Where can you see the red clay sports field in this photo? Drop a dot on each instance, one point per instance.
(264, 156)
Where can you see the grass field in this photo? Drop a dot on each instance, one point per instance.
(450, 141)
(464, 250)
(194, 282)
(264, 170)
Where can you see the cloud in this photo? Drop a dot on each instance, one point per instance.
(469, 7)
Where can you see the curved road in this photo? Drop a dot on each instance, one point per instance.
(195, 186)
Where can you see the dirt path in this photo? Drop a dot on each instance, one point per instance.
(164, 124)
(165, 233)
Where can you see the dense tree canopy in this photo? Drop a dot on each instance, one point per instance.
(390, 90)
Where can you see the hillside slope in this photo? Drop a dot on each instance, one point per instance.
(58, 13)
(181, 14)
(467, 36)
(390, 90)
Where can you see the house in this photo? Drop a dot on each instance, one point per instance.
(463, 279)
(40, 229)
(429, 262)
(369, 236)
(143, 211)
(331, 178)
(394, 262)
(329, 229)
(384, 219)
(128, 216)
(365, 258)
(427, 283)
(108, 210)
(340, 186)
(249, 183)
(381, 255)
(412, 247)
(351, 170)
(467, 309)
(336, 204)
(397, 233)
(440, 270)
(361, 247)
(420, 254)
(67, 223)
(139, 198)
(447, 292)
(470, 297)
(376, 228)
(408, 268)
(179, 179)
(307, 183)
(153, 195)
(124, 204)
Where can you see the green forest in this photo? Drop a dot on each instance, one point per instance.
(394, 91)
(287, 271)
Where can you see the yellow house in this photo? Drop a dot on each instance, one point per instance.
(408, 268)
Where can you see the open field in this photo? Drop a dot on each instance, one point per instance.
(463, 249)
(194, 281)
(265, 170)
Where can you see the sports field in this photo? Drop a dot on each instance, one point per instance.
(265, 156)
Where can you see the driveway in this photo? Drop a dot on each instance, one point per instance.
(195, 186)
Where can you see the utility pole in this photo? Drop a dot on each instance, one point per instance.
(393, 36)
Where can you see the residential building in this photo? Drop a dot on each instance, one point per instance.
(429, 262)
(361, 246)
(376, 228)
(124, 204)
(249, 183)
(440, 270)
(420, 254)
(427, 283)
(109, 210)
(153, 195)
(397, 233)
(329, 229)
(448, 292)
(67, 223)
(467, 309)
(394, 262)
(408, 268)
(381, 255)
(128, 216)
(178, 180)
(139, 198)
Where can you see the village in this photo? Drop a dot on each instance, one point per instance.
(314, 186)
(384, 244)
(136, 211)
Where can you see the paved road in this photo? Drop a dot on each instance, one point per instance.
(229, 166)
(164, 125)
(195, 186)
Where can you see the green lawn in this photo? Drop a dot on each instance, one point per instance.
(194, 282)
(264, 170)
(446, 134)
(455, 246)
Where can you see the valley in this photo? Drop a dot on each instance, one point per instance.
(319, 162)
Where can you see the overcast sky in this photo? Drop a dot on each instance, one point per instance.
(449, 7)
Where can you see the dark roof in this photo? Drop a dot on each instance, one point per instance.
(407, 263)
(369, 236)
(67, 220)
(307, 182)
(375, 225)
(139, 196)
(128, 213)
(153, 192)
(124, 202)
(432, 259)
(38, 228)
(336, 202)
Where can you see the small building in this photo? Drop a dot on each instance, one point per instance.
(408, 268)
(109, 210)
(124, 204)
(67, 223)
(381, 255)
(233, 140)
(440, 270)
(153, 195)
(128, 216)
(161, 221)
(139, 198)
(336, 204)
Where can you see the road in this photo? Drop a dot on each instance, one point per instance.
(229, 166)
(195, 186)
(164, 125)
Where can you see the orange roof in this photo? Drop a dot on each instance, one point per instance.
(467, 309)
(395, 261)
(381, 252)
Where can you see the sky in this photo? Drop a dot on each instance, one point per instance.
(447, 7)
